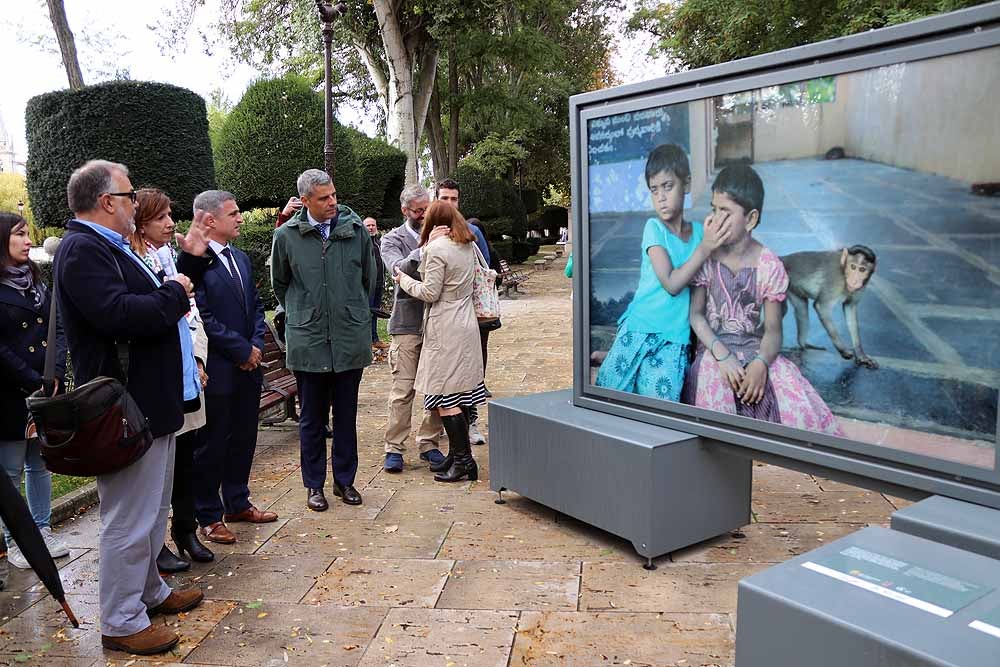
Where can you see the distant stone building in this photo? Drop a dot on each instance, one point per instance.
(8, 162)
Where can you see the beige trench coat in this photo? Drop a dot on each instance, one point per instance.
(451, 358)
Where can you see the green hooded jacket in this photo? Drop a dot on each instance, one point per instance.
(323, 287)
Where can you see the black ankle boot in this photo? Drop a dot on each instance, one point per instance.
(168, 563)
(188, 542)
(459, 450)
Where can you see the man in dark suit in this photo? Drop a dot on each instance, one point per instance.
(233, 315)
(107, 296)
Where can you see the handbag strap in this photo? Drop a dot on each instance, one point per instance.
(479, 256)
(49, 371)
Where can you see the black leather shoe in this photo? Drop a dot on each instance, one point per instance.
(348, 494)
(168, 563)
(316, 501)
(188, 543)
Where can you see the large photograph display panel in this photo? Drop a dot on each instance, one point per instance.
(863, 302)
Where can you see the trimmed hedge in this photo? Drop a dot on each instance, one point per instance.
(159, 131)
(381, 173)
(255, 241)
(274, 134)
(500, 208)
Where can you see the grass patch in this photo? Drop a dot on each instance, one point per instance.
(62, 484)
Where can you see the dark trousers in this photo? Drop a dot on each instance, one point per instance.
(226, 445)
(182, 498)
(375, 301)
(317, 392)
(484, 339)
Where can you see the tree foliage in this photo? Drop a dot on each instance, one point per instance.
(158, 130)
(698, 33)
(475, 66)
(273, 135)
(514, 71)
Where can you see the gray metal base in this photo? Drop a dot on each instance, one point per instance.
(962, 525)
(792, 615)
(660, 489)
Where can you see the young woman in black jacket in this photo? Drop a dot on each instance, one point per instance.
(24, 326)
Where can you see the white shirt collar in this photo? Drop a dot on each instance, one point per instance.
(313, 221)
(216, 246)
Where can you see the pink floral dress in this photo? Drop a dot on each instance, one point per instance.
(734, 309)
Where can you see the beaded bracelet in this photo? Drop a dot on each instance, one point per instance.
(762, 360)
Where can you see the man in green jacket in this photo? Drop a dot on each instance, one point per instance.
(322, 271)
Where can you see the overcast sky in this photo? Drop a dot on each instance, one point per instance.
(28, 68)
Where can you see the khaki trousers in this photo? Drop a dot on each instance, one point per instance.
(404, 354)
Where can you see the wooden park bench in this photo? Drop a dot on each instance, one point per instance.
(511, 279)
(277, 396)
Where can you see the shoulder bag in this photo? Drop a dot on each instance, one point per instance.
(93, 430)
(485, 297)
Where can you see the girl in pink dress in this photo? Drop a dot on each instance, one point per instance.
(736, 312)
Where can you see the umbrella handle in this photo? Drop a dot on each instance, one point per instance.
(69, 613)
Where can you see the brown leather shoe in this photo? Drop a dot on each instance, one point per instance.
(179, 601)
(251, 515)
(154, 639)
(218, 532)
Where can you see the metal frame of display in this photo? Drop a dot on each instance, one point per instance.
(861, 463)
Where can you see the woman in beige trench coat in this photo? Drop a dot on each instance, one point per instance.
(450, 371)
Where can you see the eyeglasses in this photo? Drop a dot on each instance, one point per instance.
(130, 194)
(417, 211)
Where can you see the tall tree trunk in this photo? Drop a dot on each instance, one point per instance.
(67, 46)
(407, 104)
(454, 109)
(435, 138)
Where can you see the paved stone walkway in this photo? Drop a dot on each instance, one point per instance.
(426, 574)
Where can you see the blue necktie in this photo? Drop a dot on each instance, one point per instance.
(324, 229)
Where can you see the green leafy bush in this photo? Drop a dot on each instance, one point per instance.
(159, 131)
(381, 174)
(515, 252)
(500, 208)
(273, 135)
(255, 237)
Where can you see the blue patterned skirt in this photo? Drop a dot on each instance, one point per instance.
(646, 364)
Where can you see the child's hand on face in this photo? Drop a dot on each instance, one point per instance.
(733, 372)
(717, 229)
(751, 389)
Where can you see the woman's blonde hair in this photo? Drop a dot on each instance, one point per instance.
(443, 214)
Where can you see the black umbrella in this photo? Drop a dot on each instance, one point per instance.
(17, 518)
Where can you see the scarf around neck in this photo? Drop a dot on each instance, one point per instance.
(22, 279)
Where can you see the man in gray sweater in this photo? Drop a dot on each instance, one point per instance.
(401, 250)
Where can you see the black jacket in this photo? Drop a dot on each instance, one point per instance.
(98, 310)
(24, 331)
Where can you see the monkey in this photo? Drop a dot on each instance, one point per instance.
(835, 153)
(828, 278)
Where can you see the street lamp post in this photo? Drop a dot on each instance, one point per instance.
(327, 13)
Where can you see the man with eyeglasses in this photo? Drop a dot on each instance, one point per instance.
(107, 296)
(401, 249)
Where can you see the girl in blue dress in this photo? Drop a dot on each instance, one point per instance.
(650, 353)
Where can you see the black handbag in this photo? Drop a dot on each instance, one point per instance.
(93, 430)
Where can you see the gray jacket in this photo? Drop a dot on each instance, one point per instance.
(400, 249)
